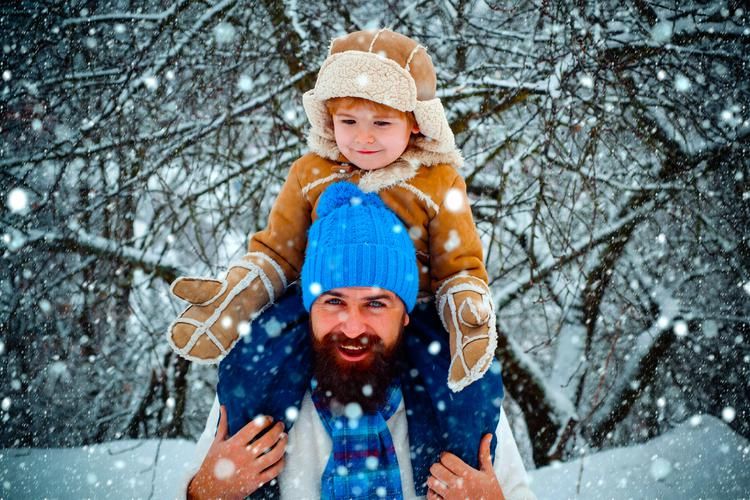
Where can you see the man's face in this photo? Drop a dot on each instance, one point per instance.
(353, 315)
(356, 334)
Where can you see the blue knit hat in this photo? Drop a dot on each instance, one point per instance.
(358, 241)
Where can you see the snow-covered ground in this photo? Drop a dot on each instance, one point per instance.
(701, 458)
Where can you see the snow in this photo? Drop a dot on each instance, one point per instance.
(700, 458)
(18, 200)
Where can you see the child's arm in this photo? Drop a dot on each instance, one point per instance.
(459, 281)
(285, 236)
(220, 309)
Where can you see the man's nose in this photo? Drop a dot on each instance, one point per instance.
(352, 323)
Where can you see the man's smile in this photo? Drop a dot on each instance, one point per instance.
(354, 350)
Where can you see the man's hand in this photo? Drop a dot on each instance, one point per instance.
(233, 468)
(451, 478)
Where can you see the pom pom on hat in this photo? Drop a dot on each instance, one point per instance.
(344, 194)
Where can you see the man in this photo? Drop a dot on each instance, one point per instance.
(360, 427)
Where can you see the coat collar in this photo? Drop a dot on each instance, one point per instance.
(401, 170)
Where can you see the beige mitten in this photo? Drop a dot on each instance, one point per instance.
(208, 329)
(468, 315)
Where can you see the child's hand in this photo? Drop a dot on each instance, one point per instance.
(468, 315)
(220, 310)
(472, 310)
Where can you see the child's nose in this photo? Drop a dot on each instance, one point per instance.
(365, 137)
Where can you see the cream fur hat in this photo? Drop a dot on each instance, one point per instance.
(387, 68)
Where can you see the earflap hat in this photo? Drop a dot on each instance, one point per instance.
(388, 68)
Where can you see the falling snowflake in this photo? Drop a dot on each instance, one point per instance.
(660, 468)
(454, 200)
(662, 32)
(353, 411)
(454, 241)
(18, 200)
(151, 82)
(680, 328)
(728, 414)
(434, 348)
(586, 81)
(224, 468)
(224, 33)
(291, 413)
(682, 83)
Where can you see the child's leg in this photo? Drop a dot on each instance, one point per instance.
(460, 418)
(268, 371)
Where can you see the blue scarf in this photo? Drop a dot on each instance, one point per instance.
(363, 461)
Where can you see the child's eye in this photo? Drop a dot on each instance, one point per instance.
(382, 123)
(347, 121)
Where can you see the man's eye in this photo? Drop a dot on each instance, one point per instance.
(334, 302)
(376, 304)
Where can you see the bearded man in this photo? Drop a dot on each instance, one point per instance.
(363, 396)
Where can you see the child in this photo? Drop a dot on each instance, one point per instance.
(375, 122)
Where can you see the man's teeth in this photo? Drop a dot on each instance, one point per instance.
(353, 347)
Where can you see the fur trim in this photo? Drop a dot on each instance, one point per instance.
(397, 172)
(369, 76)
(306, 189)
(276, 267)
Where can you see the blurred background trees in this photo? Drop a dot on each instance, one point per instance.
(606, 156)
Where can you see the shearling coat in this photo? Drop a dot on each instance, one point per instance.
(430, 200)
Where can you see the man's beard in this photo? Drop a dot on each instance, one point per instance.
(365, 382)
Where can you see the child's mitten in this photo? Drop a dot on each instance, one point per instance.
(208, 329)
(465, 306)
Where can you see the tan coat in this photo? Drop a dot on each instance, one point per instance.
(430, 201)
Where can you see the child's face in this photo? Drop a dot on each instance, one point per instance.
(371, 139)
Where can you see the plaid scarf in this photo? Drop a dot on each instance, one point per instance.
(363, 461)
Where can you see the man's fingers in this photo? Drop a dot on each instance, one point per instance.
(436, 485)
(267, 440)
(439, 472)
(453, 463)
(485, 458)
(252, 429)
(272, 472)
(275, 454)
(222, 429)
(431, 495)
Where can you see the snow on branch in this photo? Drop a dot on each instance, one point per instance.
(644, 357)
(85, 243)
(124, 16)
(505, 295)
